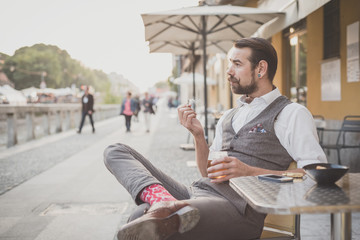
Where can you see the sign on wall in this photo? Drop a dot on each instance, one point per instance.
(330, 80)
(352, 43)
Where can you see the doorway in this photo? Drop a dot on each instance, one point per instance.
(296, 45)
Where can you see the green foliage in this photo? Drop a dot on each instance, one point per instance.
(162, 84)
(27, 66)
(173, 87)
(110, 98)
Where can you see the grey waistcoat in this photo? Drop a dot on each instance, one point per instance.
(255, 144)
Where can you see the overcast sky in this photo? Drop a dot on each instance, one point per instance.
(102, 34)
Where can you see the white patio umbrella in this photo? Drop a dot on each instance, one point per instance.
(187, 78)
(205, 23)
(190, 48)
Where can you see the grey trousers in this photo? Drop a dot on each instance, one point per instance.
(219, 219)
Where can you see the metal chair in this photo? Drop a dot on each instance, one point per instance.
(320, 126)
(349, 127)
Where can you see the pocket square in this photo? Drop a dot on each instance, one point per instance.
(257, 128)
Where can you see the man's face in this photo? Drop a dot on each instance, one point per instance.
(240, 75)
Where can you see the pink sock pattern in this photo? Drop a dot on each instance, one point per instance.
(155, 193)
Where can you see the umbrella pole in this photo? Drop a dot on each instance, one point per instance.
(193, 70)
(205, 85)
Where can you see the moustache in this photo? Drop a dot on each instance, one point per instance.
(233, 79)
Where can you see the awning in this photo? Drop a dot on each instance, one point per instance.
(295, 10)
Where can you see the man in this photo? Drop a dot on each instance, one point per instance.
(264, 134)
(147, 103)
(87, 101)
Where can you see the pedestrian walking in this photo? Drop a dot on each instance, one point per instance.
(147, 103)
(128, 107)
(87, 109)
(137, 108)
(262, 135)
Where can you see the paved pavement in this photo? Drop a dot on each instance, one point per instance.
(58, 187)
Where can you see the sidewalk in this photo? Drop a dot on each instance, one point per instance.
(78, 198)
(75, 197)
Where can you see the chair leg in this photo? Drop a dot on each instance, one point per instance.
(297, 227)
(338, 153)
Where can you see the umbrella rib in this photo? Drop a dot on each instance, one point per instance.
(216, 45)
(232, 27)
(182, 26)
(218, 23)
(244, 19)
(158, 33)
(159, 47)
(169, 26)
(192, 21)
(178, 44)
(248, 19)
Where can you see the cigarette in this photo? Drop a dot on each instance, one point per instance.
(190, 102)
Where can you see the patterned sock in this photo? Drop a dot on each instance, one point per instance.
(155, 193)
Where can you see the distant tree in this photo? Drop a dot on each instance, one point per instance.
(162, 84)
(3, 57)
(29, 65)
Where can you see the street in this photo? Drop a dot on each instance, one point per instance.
(58, 187)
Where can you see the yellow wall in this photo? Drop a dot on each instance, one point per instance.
(314, 26)
(279, 78)
(350, 92)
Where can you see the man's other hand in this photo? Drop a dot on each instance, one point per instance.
(187, 118)
(227, 168)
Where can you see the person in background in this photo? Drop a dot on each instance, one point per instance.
(128, 107)
(87, 101)
(137, 108)
(147, 103)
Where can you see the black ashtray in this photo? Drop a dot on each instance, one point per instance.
(325, 173)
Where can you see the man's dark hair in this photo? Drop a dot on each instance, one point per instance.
(261, 49)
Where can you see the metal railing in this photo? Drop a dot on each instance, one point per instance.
(33, 121)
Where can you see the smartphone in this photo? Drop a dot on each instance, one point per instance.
(275, 178)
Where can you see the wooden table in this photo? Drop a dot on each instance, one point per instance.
(305, 196)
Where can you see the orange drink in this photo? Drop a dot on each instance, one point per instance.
(213, 156)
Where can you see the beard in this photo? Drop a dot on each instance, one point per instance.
(237, 88)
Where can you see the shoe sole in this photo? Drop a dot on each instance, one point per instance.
(189, 217)
(158, 229)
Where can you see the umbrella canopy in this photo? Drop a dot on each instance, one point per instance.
(222, 22)
(187, 78)
(190, 47)
(205, 24)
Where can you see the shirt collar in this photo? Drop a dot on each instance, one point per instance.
(267, 98)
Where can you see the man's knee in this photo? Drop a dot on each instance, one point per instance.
(113, 153)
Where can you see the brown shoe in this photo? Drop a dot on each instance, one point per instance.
(161, 221)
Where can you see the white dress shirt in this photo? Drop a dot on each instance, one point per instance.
(294, 127)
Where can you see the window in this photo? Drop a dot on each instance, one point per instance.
(296, 68)
(331, 29)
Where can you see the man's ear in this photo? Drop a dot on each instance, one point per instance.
(261, 69)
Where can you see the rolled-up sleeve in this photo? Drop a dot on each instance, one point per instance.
(296, 131)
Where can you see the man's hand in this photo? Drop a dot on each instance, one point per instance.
(228, 167)
(187, 118)
(90, 112)
(231, 167)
